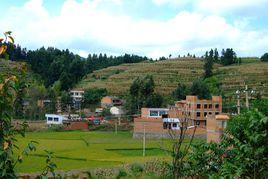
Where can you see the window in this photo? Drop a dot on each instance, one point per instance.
(222, 124)
(210, 106)
(72, 93)
(216, 113)
(198, 114)
(216, 106)
(154, 113)
(205, 114)
(205, 106)
(76, 94)
(49, 118)
(197, 123)
(162, 113)
(174, 125)
(56, 119)
(198, 106)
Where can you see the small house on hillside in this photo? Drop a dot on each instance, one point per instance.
(77, 96)
(110, 101)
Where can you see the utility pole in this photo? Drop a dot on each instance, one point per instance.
(116, 126)
(144, 138)
(238, 101)
(246, 91)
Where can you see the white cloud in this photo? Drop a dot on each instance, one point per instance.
(84, 27)
(230, 6)
(172, 2)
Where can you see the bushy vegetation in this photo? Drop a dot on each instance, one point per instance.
(264, 57)
(93, 96)
(54, 65)
(241, 153)
(141, 94)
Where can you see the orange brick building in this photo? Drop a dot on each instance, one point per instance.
(197, 109)
(215, 126)
(157, 121)
(110, 101)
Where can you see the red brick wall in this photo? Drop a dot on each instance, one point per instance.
(77, 125)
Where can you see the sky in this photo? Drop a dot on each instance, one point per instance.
(150, 28)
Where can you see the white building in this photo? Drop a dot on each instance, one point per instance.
(55, 119)
(77, 96)
(171, 123)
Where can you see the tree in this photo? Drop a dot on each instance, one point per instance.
(208, 66)
(264, 57)
(228, 56)
(181, 92)
(216, 56)
(9, 87)
(247, 140)
(200, 89)
(141, 94)
(241, 153)
(93, 96)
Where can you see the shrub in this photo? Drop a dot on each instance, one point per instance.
(136, 169)
(264, 57)
(121, 173)
(57, 128)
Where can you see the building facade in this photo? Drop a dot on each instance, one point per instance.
(110, 101)
(197, 109)
(77, 96)
(215, 126)
(157, 121)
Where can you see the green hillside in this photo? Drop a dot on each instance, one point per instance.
(167, 74)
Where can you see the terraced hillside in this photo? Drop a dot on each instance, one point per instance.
(167, 74)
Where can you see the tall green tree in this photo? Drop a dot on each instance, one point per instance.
(141, 94)
(200, 89)
(228, 56)
(208, 66)
(181, 92)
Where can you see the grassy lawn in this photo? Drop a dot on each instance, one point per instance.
(82, 150)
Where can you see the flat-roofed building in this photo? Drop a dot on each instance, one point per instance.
(157, 121)
(197, 109)
(215, 126)
(77, 96)
(110, 101)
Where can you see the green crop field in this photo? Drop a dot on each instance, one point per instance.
(85, 150)
(167, 74)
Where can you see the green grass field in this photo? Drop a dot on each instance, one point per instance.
(84, 150)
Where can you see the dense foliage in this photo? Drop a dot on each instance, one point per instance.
(141, 94)
(181, 92)
(94, 95)
(54, 65)
(241, 153)
(264, 57)
(228, 56)
(208, 65)
(199, 87)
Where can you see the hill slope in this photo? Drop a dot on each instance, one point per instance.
(167, 74)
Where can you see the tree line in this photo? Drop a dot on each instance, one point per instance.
(53, 64)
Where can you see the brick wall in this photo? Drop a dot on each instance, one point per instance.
(154, 129)
(76, 125)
